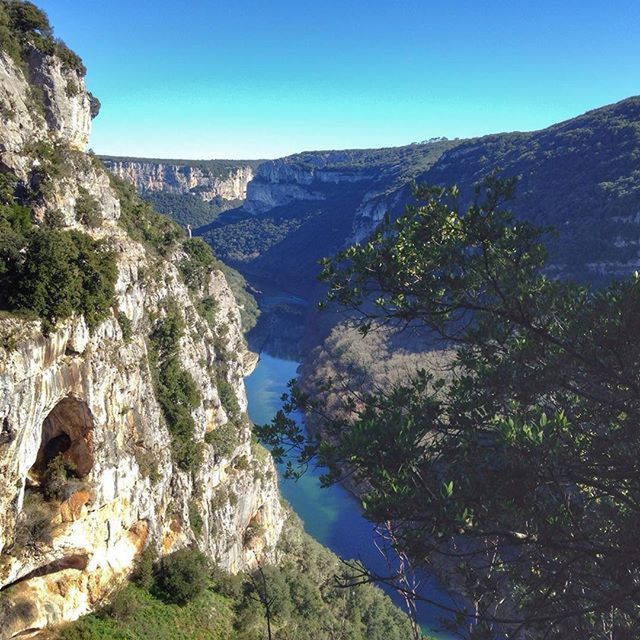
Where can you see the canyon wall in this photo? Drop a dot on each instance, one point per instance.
(205, 180)
(90, 395)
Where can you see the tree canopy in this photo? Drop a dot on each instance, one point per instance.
(515, 474)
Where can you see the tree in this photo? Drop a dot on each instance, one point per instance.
(515, 475)
(183, 575)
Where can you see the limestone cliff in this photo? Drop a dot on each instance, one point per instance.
(225, 180)
(89, 395)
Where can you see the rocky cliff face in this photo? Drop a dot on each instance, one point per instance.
(302, 177)
(228, 183)
(90, 396)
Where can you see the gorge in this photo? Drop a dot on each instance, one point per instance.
(153, 311)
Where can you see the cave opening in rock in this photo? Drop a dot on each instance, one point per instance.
(67, 438)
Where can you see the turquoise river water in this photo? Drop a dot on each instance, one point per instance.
(331, 515)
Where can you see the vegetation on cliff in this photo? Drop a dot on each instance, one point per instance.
(51, 273)
(24, 28)
(516, 472)
(307, 603)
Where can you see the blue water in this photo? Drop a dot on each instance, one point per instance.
(331, 515)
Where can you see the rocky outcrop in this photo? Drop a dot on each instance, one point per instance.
(90, 396)
(279, 182)
(206, 182)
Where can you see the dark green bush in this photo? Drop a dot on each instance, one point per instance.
(87, 209)
(195, 518)
(207, 308)
(62, 273)
(144, 573)
(125, 326)
(224, 439)
(183, 575)
(197, 263)
(176, 391)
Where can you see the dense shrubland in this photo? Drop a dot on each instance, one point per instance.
(51, 273)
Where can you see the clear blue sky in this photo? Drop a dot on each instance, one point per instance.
(260, 79)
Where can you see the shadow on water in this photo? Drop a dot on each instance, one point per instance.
(331, 515)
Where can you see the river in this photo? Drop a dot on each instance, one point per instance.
(331, 515)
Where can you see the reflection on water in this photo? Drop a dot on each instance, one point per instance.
(332, 516)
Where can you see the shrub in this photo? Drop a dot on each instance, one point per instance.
(144, 573)
(125, 326)
(87, 209)
(224, 439)
(182, 576)
(56, 477)
(176, 391)
(227, 397)
(207, 308)
(54, 219)
(59, 274)
(195, 519)
(141, 222)
(197, 263)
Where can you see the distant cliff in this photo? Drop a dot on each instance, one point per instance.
(581, 176)
(192, 192)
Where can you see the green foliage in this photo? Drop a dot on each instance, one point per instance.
(195, 518)
(87, 209)
(227, 397)
(182, 576)
(144, 616)
(94, 105)
(207, 308)
(307, 603)
(224, 439)
(125, 326)
(24, 27)
(176, 391)
(142, 222)
(517, 462)
(249, 311)
(56, 274)
(144, 575)
(197, 263)
(188, 208)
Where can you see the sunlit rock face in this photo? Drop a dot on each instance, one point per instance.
(85, 399)
(172, 177)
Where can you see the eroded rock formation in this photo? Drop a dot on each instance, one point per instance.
(71, 532)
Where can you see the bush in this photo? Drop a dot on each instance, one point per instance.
(176, 391)
(224, 439)
(197, 263)
(125, 326)
(195, 518)
(207, 308)
(142, 222)
(227, 398)
(87, 209)
(144, 574)
(56, 477)
(59, 274)
(182, 576)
